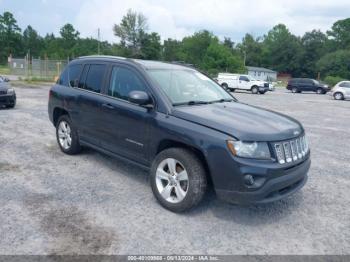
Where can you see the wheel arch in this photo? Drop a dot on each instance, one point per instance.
(57, 113)
(169, 143)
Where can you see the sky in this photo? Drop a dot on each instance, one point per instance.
(179, 18)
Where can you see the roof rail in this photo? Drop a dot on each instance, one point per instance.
(102, 56)
(183, 63)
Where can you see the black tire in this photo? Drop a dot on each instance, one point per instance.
(338, 96)
(197, 180)
(74, 147)
(12, 105)
(255, 89)
(295, 90)
(320, 91)
(224, 86)
(262, 92)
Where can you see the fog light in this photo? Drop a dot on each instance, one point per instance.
(249, 180)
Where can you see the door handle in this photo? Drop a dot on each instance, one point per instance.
(106, 105)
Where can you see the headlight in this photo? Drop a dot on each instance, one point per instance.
(257, 150)
(10, 91)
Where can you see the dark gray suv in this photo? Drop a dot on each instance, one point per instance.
(298, 85)
(7, 94)
(181, 126)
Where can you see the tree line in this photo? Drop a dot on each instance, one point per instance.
(314, 54)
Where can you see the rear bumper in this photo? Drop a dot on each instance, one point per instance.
(288, 182)
(7, 99)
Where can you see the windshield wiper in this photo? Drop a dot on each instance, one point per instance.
(222, 100)
(192, 102)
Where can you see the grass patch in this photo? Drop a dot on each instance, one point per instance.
(4, 70)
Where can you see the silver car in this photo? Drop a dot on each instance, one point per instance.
(341, 90)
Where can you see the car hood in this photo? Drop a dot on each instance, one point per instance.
(244, 122)
(4, 86)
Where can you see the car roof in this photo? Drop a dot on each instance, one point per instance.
(147, 64)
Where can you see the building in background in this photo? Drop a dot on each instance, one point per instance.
(262, 73)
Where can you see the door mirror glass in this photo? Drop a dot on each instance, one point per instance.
(140, 98)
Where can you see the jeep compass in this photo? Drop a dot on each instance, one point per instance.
(180, 125)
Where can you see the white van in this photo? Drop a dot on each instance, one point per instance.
(234, 82)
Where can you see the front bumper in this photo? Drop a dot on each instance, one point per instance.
(283, 183)
(7, 100)
(263, 88)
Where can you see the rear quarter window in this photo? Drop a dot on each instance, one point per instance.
(74, 74)
(63, 79)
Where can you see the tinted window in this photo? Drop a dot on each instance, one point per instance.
(63, 80)
(123, 81)
(305, 81)
(74, 74)
(94, 78)
(244, 78)
(345, 84)
(83, 77)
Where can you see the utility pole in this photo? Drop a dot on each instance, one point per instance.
(244, 57)
(98, 39)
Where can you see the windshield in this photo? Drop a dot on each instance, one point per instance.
(186, 86)
(251, 78)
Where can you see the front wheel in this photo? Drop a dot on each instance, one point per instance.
(262, 92)
(255, 90)
(178, 179)
(338, 96)
(67, 136)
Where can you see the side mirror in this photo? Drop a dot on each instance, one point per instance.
(6, 79)
(140, 98)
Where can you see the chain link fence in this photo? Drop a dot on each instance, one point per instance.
(42, 69)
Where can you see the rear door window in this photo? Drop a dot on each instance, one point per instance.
(94, 78)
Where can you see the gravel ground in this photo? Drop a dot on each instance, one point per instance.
(51, 203)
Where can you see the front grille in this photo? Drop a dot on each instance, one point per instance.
(291, 150)
(3, 92)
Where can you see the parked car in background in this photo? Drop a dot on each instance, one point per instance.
(298, 85)
(341, 90)
(4, 79)
(234, 82)
(181, 126)
(7, 94)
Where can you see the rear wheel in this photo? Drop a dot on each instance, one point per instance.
(295, 90)
(262, 92)
(224, 86)
(320, 91)
(255, 90)
(178, 179)
(338, 96)
(67, 136)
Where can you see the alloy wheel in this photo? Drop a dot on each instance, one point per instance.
(172, 180)
(64, 135)
(338, 96)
